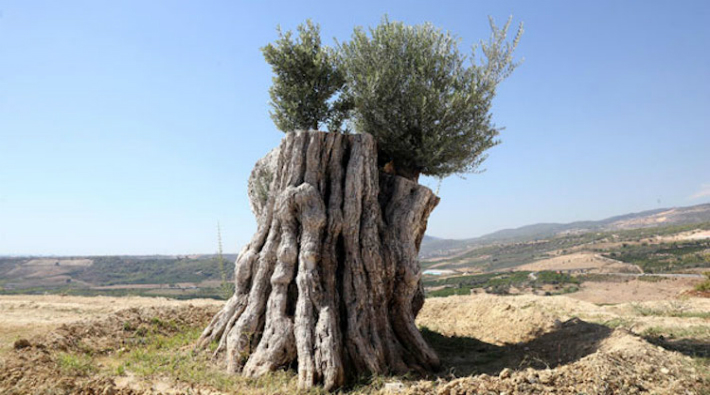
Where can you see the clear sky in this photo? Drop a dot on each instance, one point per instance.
(130, 127)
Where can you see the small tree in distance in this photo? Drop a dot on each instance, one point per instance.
(306, 78)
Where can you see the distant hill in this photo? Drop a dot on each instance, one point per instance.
(433, 247)
(177, 276)
(200, 275)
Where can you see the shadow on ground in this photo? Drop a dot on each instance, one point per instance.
(691, 347)
(464, 356)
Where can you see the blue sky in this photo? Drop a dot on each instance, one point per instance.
(130, 127)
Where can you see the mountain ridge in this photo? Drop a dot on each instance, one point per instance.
(434, 247)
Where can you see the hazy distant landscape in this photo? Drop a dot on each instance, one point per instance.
(694, 215)
(559, 258)
(172, 276)
(544, 258)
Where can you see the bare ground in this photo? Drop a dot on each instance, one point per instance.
(691, 235)
(588, 261)
(29, 315)
(634, 290)
(489, 344)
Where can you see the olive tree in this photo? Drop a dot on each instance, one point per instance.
(427, 105)
(330, 282)
(305, 78)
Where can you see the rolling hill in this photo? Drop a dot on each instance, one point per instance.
(638, 242)
(433, 247)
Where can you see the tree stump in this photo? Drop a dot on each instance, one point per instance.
(330, 282)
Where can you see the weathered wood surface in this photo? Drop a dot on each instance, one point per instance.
(330, 281)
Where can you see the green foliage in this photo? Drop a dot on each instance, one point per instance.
(705, 285)
(693, 331)
(465, 290)
(499, 283)
(475, 280)
(410, 88)
(618, 322)
(673, 308)
(75, 364)
(306, 79)
(651, 279)
(509, 279)
(550, 277)
(665, 257)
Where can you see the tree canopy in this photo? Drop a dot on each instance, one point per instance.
(306, 77)
(427, 104)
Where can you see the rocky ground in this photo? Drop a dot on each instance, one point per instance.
(488, 344)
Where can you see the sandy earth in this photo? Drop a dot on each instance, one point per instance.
(633, 290)
(557, 345)
(22, 315)
(587, 261)
(692, 235)
(522, 344)
(27, 315)
(527, 316)
(650, 220)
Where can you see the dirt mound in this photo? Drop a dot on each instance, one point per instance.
(33, 370)
(51, 363)
(531, 345)
(495, 319)
(30, 315)
(111, 333)
(622, 364)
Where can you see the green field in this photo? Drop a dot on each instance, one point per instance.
(500, 283)
(664, 257)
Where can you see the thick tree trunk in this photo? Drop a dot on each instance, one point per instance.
(330, 282)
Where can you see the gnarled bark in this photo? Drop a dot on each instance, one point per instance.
(330, 281)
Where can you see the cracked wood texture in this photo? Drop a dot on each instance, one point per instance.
(330, 283)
